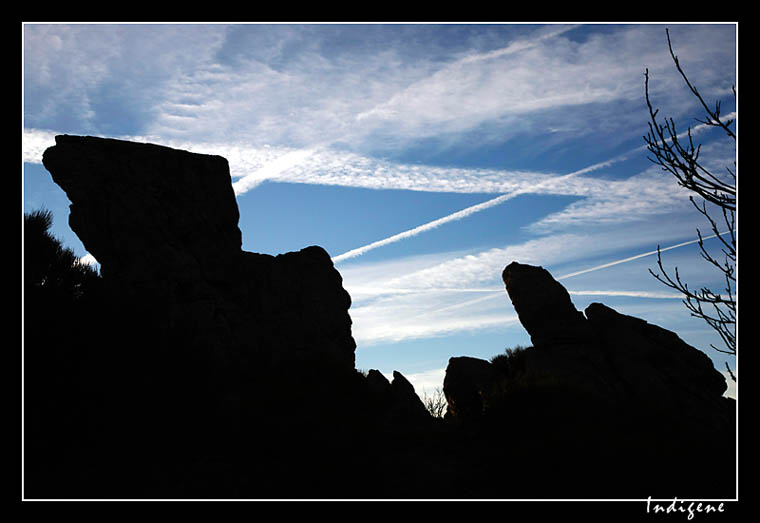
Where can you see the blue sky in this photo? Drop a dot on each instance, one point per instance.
(423, 157)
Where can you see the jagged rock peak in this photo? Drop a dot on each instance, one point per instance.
(543, 306)
(396, 400)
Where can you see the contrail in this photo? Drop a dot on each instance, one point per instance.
(624, 260)
(272, 169)
(468, 211)
(427, 226)
(472, 210)
(501, 199)
(497, 293)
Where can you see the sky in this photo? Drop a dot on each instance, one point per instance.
(423, 158)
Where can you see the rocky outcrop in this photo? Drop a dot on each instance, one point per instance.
(208, 369)
(396, 401)
(606, 358)
(163, 225)
(655, 367)
(599, 401)
(198, 345)
(148, 212)
(467, 384)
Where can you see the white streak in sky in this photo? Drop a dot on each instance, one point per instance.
(426, 227)
(377, 291)
(429, 302)
(271, 170)
(624, 260)
(546, 185)
(556, 184)
(630, 294)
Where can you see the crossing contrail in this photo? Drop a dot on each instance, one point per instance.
(546, 184)
(427, 226)
(495, 293)
(535, 188)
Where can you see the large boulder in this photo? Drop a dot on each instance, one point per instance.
(466, 385)
(605, 359)
(162, 223)
(657, 368)
(147, 212)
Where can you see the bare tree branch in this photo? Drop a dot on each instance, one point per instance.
(729, 372)
(713, 116)
(435, 403)
(678, 155)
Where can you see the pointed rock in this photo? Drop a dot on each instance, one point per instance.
(544, 306)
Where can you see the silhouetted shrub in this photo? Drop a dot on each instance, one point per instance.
(50, 266)
(510, 361)
(62, 314)
(435, 403)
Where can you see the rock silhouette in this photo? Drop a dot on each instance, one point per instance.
(194, 369)
(163, 225)
(619, 358)
(604, 387)
(467, 383)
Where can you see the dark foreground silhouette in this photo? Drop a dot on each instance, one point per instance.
(192, 369)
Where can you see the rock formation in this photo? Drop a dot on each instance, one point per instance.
(205, 349)
(612, 355)
(163, 225)
(543, 306)
(467, 383)
(396, 401)
(200, 370)
(602, 383)
(613, 358)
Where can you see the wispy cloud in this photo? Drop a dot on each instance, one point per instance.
(291, 104)
(535, 83)
(607, 200)
(33, 144)
(272, 99)
(436, 295)
(461, 84)
(299, 85)
(404, 317)
(75, 74)
(322, 165)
